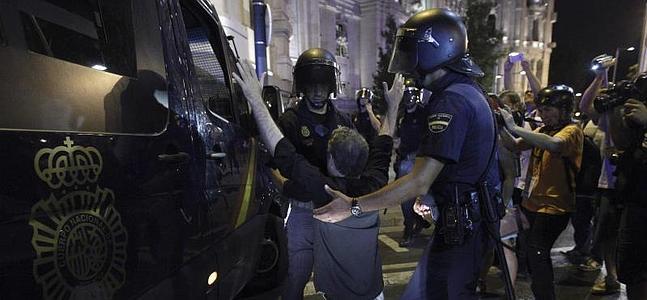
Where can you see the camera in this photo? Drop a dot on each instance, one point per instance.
(602, 61)
(411, 97)
(618, 94)
(514, 57)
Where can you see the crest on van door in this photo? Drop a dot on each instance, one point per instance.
(78, 236)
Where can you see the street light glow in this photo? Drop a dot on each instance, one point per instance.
(522, 72)
(498, 77)
(100, 67)
(578, 95)
(631, 49)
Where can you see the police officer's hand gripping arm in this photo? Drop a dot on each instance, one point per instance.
(252, 88)
(425, 171)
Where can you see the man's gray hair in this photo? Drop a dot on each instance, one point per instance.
(349, 151)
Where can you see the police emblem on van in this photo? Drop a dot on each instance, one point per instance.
(439, 122)
(78, 237)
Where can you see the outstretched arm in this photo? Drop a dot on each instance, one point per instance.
(534, 83)
(416, 183)
(252, 88)
(507, 75)
(540, 140)
(592, 91)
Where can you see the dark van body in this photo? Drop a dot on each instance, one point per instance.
(127, 168)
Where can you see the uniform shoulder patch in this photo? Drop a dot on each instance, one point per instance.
(305, 131)
(439, 122)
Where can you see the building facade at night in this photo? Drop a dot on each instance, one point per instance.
(527, 27)
(352, 30)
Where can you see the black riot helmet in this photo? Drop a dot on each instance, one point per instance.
(557, 95)
(429, 40)
(316, 66)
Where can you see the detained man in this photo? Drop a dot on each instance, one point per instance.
(347, 264)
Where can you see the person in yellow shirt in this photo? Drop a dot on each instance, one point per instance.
(550, 193)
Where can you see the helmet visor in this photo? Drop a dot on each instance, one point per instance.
(316, 74)
(405, 55)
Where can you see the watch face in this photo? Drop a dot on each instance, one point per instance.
(356, 211)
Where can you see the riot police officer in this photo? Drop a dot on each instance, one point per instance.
(409, 126)
(366, 122)
(456, 161)
(308, 126)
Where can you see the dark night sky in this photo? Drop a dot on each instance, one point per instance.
(586, 28)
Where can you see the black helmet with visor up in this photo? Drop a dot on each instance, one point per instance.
(316, 66)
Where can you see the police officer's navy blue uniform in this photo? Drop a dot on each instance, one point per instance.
(460, 133)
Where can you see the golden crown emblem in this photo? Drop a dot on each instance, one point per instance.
(68, 165)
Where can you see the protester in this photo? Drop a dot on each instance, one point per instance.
(308, 127)
(339, 273)
(556, 158)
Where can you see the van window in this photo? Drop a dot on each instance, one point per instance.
(74, 65)
(208, 68)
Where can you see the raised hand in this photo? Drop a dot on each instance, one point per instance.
(507, 118)
(394, 95)
(249, 84)
(338, 209)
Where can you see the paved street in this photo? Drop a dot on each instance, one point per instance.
(399, 264)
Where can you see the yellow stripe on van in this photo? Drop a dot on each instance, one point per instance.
(249, 186)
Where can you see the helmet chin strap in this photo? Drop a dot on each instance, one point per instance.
(316, 105)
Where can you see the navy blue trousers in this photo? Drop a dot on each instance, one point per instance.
(449, 272)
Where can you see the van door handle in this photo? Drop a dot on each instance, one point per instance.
(180, 157)
(216, 155)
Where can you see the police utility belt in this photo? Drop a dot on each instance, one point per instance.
(463, 211)
(300, 204)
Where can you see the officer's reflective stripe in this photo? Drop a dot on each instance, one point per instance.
(249, 186)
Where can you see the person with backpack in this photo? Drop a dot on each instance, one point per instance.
(550, 197)
(609, 204)
(586, 183)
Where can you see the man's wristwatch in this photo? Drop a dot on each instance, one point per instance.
(355, 209)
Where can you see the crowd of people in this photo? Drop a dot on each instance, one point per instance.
(500, 172)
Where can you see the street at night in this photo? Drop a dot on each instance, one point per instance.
(323, 149)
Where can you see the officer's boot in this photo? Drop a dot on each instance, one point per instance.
(407, 237)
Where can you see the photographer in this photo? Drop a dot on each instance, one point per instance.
(556, 154)
(620, 112)
(366, 122)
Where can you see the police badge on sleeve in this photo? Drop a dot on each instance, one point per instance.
(439, 122)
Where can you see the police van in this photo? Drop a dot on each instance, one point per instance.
(128, 167)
